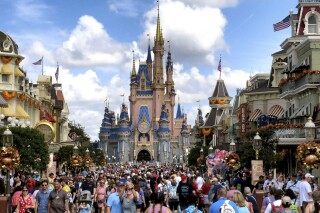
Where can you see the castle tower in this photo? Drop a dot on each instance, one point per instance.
(158, 83)
(164, 136)
(185, 135)
(124, 134)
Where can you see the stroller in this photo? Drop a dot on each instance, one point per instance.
(85, 201)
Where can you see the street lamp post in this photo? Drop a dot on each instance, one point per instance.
(257, 144)
(310, 130)
(9, 158)
(88, 158)
(232, 146)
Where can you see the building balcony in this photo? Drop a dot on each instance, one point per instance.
(294, 85)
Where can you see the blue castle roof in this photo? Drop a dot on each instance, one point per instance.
(179, 112)
(143, 68)
(163, 122)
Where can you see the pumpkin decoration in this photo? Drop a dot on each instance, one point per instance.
(222, 101)
(23, 97)
(206, 131)
(76, 160)
(6, 59)
(8, 95)
(309, 154)
(9, 158)
(213, 101)
(88, 161)
(17, 61)
(232, 160)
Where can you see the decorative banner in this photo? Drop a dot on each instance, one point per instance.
(257, 170)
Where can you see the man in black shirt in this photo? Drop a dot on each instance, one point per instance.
(184, 190)
(89, 185)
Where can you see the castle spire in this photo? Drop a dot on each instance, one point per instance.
(159, 31)
(149, 60)
(134, 73)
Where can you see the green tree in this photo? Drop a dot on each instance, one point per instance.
(33, 150)
(267, 152)
(82, 138)
(64, 154)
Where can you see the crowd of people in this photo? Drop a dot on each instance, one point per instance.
(151, 189)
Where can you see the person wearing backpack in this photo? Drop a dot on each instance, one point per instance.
(223, 205)
(276, 206)
(193, 205)
(286, 203)
(172, 198)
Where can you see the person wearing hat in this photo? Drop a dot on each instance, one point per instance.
(305, 191)
(183, 191)
(113, 203)
(286, 203)
(277, 203)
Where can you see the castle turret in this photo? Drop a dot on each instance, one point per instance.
(124, 134)
(164, 136)
(105, 129)
(169, 73)
(149, 62)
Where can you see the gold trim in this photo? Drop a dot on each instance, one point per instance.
(47, 123)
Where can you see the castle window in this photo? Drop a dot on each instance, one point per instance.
(312, 24)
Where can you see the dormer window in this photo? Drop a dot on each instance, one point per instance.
(312, 25)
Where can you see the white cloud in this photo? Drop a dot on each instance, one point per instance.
(212, 3)
(30, 10)
(90, 45)
(195, 33)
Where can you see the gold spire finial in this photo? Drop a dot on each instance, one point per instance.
(133, 64)
(158, 34)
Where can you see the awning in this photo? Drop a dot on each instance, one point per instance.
(276, 110)
(18, 73)
(44, 114)
(253, 117)
(8, 111)
(286, 113)
(305, 110)
(20, 113)
(6, 69)
(3, 102)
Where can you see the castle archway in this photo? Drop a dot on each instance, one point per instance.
(144, 155)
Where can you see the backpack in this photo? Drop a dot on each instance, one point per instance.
(276, 209)
(173, 193)
(226, 208)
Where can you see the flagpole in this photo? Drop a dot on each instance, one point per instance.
(42, 64)
(220, 67)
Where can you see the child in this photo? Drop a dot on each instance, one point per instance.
(84, 208)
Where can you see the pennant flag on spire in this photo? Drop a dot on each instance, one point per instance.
(57, 73)
(39, 62)
(219, 65)
(285, 23)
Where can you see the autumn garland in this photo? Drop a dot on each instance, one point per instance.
(76, 160)
(9, 95)
(309, 154)
(284, 81)
(283, 126)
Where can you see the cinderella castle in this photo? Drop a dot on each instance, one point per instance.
(150, 131)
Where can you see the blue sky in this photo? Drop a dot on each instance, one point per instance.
(92, 42)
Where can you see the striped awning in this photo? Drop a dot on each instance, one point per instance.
(3, 102)
(276, 110)
(253, 117)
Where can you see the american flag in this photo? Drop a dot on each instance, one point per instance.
(219, 66)
(57, 74)
(285, 23)
(39, 62)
